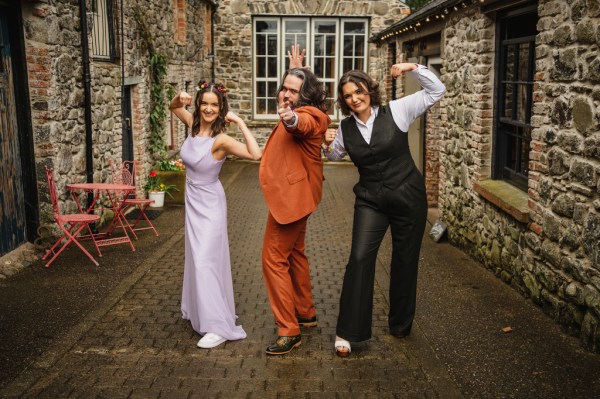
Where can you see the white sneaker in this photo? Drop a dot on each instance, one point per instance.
(210, 340)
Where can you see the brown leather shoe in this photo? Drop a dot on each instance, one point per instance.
(307, 321)
(284, 345)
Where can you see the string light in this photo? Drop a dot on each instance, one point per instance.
(442, 15)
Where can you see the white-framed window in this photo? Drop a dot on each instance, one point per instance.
(103, 46)
(333, 46)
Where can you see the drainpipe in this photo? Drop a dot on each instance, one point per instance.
(87, 94)
(123, 121)
(212, 39)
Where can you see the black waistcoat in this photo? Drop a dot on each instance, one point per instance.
(385, 163)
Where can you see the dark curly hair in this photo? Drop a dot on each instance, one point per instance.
(219, 124)
(360, 79)
(312, 91)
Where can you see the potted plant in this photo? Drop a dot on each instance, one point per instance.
(172, 172)
(157, 189)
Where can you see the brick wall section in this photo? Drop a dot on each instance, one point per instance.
(180, 21)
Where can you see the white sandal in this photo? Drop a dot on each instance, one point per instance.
(342, 343)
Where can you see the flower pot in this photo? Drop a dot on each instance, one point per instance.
(158, 197)
(177, 179)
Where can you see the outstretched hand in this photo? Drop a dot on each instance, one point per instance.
(285, 111)
(297, 57)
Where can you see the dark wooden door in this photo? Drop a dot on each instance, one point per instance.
(12, 202)
(127, 150)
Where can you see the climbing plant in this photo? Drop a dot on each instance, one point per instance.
(158, 102)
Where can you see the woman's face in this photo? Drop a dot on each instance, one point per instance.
(209, 107)
(357, 98)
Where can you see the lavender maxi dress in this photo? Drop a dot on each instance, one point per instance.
(207, 295)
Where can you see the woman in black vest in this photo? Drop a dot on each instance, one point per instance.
(390, 192)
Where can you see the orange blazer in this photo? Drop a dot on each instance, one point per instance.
(291, 168)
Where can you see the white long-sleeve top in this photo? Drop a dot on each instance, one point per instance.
(404, 111)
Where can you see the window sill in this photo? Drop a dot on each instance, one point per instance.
(506, 197)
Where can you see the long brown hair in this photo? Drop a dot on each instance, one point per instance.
(312, 91)
(362, 80)
(218, 125)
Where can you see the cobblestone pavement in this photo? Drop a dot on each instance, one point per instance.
(135, 344)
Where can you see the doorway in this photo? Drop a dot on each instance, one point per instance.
(12, 198)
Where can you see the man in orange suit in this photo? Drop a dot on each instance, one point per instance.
(291, 177)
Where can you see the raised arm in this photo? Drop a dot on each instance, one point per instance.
(230, 146)
(408, 108)
(177, 106)
(297, 57)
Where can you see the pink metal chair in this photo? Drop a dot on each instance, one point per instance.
(70, 224)
(124, 173)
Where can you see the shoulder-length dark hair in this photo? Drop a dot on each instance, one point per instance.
(312, 91)
(362, 80)
(219, 125)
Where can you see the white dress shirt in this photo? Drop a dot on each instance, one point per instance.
(404, 111)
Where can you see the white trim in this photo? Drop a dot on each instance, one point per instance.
(337, 57)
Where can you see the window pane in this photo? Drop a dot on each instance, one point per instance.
(290, 40)
(329, 68)
(266, 26)
(348, 46)
(359, 63)
(272, 45)
(261, 106)
(511, 144)
(318, 67)
(510, 63)
(272, 67)
(319, 49)
(330, 45)
(347, 66)
(359, 46)
(325, 27)
(272, 89)
(330, 88)
(354, 27)
(522, 94)
(525, 149)
(261, 45)
(523, 62)
(295, 33)
(260, 67)
(261, 89)
(330, 103)
(508, 103)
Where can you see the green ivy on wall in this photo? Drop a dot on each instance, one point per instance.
(158, 90)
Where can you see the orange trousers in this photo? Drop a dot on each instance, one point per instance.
(287, 274)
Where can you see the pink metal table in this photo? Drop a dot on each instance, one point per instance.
(112, 192)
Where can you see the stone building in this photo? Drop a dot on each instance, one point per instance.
(252, 39)
(80, 104)
(75, 105)
(518, 148)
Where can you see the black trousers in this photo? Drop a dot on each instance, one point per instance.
(405, 211)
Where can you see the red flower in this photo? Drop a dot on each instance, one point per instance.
(152, 173)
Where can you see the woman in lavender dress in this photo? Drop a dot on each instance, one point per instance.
(207, 295)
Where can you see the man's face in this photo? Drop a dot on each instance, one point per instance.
(290, 92)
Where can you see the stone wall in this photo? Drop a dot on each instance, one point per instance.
(55, 68)
(233, 38)
(554, 259)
